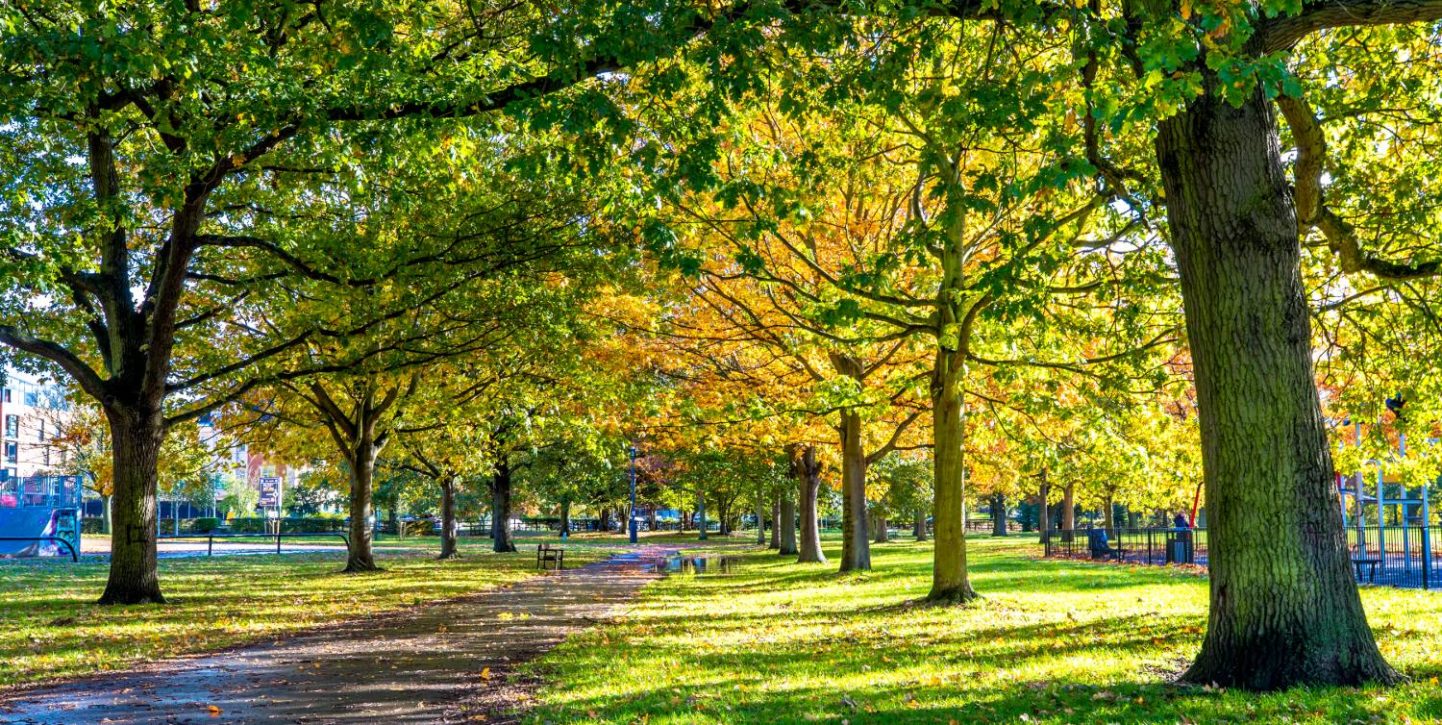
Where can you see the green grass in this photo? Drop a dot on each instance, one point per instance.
(51, 629)
(1053, 642)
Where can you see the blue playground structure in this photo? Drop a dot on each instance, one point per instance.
(39, 516)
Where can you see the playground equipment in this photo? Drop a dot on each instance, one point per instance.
(1400, 540)
(39, 515)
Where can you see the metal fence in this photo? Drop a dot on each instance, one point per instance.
(1133, 545)
(1397, 556)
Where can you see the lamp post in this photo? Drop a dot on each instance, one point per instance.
(632, 522)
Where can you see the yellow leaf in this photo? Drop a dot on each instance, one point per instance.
(486, 673)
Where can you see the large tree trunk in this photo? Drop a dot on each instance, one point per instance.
(450, 529)
(105, 527)
(136, 436)
(701, 518)
(501, 507)
(918, 525)
(883, 533)
(565, 517)
(998, 514)
(949, 581)
(362, 488)
(808, 479)
(1284, 604)
(604, 522)
(855, 539)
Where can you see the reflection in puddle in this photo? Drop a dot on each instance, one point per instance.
(678, 564)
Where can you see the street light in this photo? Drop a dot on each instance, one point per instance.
(633, 495)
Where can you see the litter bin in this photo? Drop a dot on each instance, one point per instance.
(1179, 551)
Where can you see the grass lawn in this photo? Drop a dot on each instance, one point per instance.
(1053, 641)
(50, 627)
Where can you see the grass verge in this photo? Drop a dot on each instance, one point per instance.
(1052, 642)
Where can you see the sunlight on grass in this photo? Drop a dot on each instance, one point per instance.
(1053, 641)
(53, 629)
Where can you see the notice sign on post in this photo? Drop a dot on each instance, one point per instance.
(269, 492)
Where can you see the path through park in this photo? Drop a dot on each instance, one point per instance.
(447, 662)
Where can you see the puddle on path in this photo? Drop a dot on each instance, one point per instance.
(696, 565)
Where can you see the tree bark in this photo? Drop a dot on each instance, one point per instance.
(1108, 521)
(918, 525)
(501, 507)
(883, 533)
(1068, 512)
(855, 539)
(105, 527)
(701, 518)
(450, 529)
(949, 580)
(998, 514)
(1284, 605)
(808, 478)
(362, 489)
(604, 521)
(565, 517)
(136, 436)
(786, 526)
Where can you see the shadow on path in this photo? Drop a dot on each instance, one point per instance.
(446, 662)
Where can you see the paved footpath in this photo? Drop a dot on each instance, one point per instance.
(446, 662)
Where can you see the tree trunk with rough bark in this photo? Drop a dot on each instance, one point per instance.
(855, 539)
(450, 528)
(362, 489)
(136, 437)
(501, 507)
(1284, 605)
(949, 580)
(808, 479)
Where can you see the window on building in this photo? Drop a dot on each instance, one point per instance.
(32, 398)
(12, 452)
(7, 395)
(12, 426)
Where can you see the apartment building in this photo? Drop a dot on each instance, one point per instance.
(31, 413)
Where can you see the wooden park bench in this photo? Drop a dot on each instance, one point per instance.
(546, 554)
(1360, 561)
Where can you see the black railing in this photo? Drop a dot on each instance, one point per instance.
(210, 538)
(1153, 546)
(74, 554)
(1397, 556)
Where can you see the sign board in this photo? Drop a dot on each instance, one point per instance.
(269, 492)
